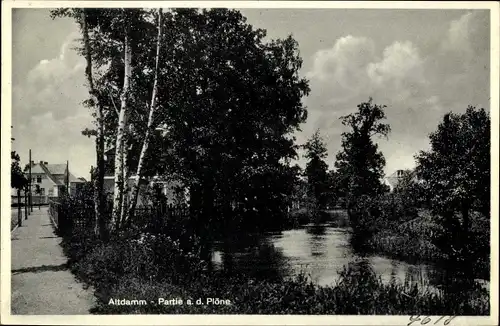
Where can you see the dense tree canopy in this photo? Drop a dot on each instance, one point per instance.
(236, 103)
(456, 170)
(317, 170)
(359, 164)
(227, 101)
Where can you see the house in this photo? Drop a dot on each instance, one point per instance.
(172, 190)
(51, 180)
(393, 179)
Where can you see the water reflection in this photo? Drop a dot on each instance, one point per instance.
(320, 251)
(254, 255)
(316, 240)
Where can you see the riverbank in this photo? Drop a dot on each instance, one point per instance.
(151, 267)
(414, 241)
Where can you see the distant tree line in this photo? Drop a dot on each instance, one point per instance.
(451, 180)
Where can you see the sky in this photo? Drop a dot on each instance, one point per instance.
(421, 64)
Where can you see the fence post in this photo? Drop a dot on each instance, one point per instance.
(61, 218)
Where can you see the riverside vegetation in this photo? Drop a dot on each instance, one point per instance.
(148, 266)
(165, 259)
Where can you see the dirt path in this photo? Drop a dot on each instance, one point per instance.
(41, 282)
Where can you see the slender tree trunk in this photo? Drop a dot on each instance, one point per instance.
(149, 130)
(99, 223)
(19, 210)
(119, 145)
(125, 187)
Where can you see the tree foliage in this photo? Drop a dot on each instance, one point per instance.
(17, 178)
(227, 102)
(317, 170)
(233, 102)
(456, 170)
(359, 164)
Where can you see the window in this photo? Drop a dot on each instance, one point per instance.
(51, 193)
(42, 191)
(38, 179)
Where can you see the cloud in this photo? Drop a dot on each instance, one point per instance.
(468, 35)
(48, 114)
(53, 85)
(463, 62)
(400, 71)
(417, 90)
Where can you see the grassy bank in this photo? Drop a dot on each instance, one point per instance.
(418, 239)
(149, 267)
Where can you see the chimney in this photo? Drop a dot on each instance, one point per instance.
(41, 162)
(45, 163)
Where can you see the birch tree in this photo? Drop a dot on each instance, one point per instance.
(120, 135)
(149, 130)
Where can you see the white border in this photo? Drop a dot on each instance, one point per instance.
(236, 319)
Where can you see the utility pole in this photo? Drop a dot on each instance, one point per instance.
(67, 176)
(29, 185)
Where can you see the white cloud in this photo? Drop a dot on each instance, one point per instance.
(417, 90)
(48, 114)
(400, 70)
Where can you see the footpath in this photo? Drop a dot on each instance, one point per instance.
(41, 282)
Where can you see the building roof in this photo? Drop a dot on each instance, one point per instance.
(36, 168)
(72, 178)
(52, 170)
(393, 179)
(56, 169)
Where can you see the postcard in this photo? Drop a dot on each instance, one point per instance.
(250, 163)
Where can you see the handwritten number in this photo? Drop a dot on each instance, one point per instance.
(427, 319)
(413, 319)
(437, 321)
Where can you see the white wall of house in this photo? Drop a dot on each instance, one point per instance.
(46, 185)
(166, 187)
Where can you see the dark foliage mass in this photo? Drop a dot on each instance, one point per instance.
(317, 171)
(228, 103)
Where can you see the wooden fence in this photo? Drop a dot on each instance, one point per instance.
(80, 218)
(59, 216)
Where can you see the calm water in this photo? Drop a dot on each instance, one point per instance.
(321, 251)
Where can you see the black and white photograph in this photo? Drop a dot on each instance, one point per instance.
(275, 160)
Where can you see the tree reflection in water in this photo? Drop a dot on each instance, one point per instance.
(254, 256)
(321, 251)
(317, 239)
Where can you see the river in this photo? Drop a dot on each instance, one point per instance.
(320, 251)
